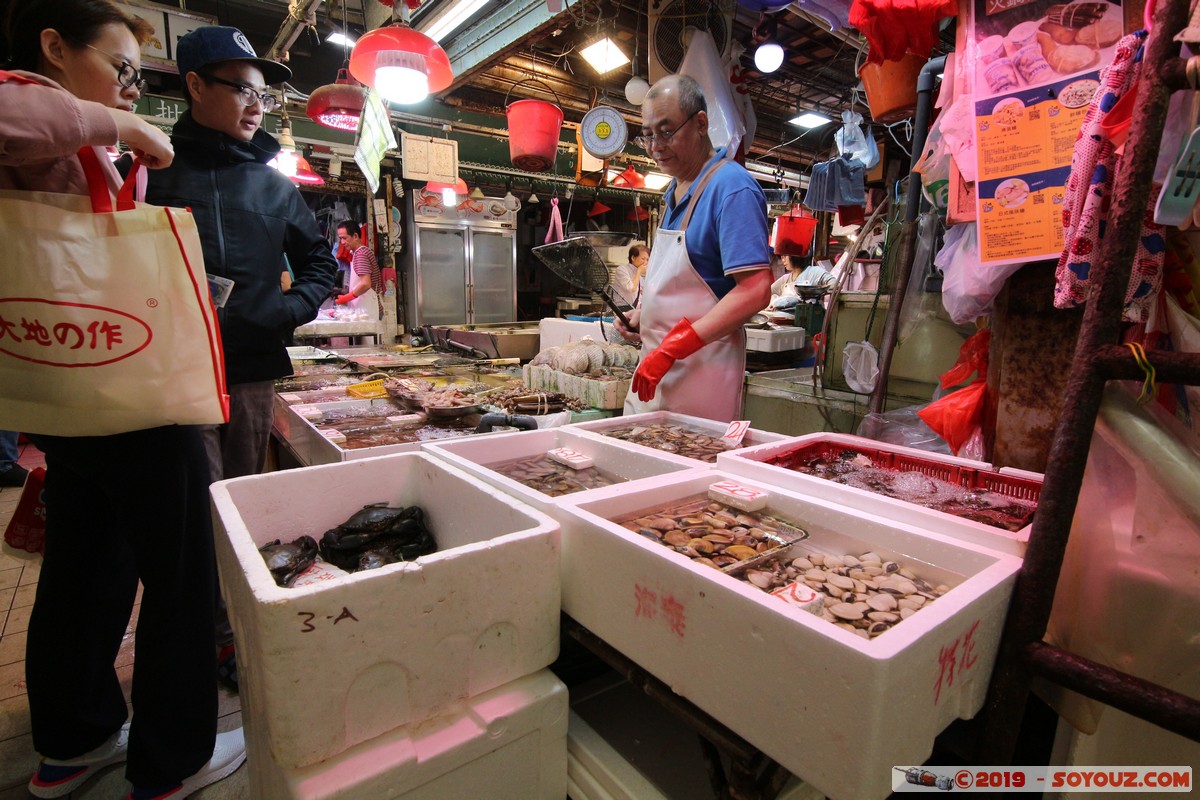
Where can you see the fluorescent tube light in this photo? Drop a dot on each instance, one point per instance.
(340, 39)
(452, 19)
(657, 181)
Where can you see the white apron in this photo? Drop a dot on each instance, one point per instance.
(709, 382)
(366, 304)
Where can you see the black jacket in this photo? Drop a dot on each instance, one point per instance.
(249, 216)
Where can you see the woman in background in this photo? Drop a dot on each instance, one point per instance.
(120, 509)
(627, 282)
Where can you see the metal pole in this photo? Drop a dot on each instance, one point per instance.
(908, 244)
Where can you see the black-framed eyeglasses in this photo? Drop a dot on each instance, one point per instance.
(647, 140)
(127, 74)
(247, 93)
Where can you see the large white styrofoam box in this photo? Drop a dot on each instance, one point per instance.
(326, 666)
(774, 340)
(1017, 483)
(477, 454)
(554, 332)
(509, 743)
(834, 709)
(711, 427)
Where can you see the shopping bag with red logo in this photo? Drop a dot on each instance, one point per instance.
(26, 531)
(106, 321)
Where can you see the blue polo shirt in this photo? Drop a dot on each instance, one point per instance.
(728, 231)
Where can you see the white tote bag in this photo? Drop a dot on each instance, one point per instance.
(106, 321)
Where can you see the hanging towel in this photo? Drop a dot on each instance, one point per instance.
(1088, 197)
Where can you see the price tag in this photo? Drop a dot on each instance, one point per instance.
(572, 458)
(405, 419)
(289, 398)
(735, 433)
(739, 496)
(801, 596)
(309, 412)
(333, 435)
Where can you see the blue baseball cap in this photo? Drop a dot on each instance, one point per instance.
(216, 44)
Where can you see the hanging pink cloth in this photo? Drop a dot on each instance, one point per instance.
(1088, 198)
(555, 232)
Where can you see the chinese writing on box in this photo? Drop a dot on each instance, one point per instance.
(648, 604)
(958, 656)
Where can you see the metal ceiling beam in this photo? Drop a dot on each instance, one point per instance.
(492, 38)
(301, 14)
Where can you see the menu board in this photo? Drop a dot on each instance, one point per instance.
(1036, 68)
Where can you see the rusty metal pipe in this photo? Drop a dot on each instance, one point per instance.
(1033, 593)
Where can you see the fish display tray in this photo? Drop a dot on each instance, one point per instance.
(478, 456)
(847, 701)
(328, 666)
(513, 740)
(1018, 484)
(711, 427)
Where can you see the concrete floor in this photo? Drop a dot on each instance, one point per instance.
(18, 581)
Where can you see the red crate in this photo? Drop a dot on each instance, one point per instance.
(968, 477)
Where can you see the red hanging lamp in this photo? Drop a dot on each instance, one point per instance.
(338, 105)
(305, 174)
(402, 64)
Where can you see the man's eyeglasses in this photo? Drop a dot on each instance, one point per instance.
(246, 93)
(647, 140)
(127, 74)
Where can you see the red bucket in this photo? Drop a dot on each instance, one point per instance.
(794, 233)
(533, 130)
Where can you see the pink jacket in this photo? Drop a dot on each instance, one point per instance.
(42, 128)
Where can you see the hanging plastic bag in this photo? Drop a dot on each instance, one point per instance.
(860, 366)
(920, 305)
(969, 288)
(905, 427)
(934, 169)
(972, 358)
(853, 143)
(726, 128)
(958, 415)
(26, 531)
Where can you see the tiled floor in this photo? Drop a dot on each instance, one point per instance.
(18, 581)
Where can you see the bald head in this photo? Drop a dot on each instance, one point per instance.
(682, 89)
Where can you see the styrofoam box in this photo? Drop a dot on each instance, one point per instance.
(313, 447)
(506, 744)
(750, 462)
(476, 455)
(711, 427)
(327, 666)
(775, 340)
(834, 709)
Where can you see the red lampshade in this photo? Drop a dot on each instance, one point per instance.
(338, 105)
(630, 178)
(305, 174)
(597, 209)
(638, 214)
(437, 187)
(400, 39)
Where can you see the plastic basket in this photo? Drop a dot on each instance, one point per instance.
(367, 391)
(967, 477)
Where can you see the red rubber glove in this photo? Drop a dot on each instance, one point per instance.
(680, 342)
(344, 298)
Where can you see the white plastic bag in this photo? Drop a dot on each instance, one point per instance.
(860, 366)
(703, 63)
(968, 287)
(853, 143)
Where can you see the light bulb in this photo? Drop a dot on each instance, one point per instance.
(401, 77)
(768, 57)
(511, 202)
(449, 197)
(635, 90)
(287, 162)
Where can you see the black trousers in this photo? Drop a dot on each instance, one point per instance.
(120, 509)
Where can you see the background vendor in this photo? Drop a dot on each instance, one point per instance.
(800, 272)
(366, 281)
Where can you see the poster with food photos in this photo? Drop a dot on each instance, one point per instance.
(1033, 67)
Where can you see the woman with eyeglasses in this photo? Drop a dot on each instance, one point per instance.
(124, 509)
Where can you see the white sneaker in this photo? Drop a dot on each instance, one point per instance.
(228, 755)
(58, 778)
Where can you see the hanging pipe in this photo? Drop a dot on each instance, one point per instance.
(908, 238)
(301, 14)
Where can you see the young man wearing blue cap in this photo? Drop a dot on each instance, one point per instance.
(250, 216)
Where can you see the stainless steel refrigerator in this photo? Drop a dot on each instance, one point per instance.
(462, 270)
